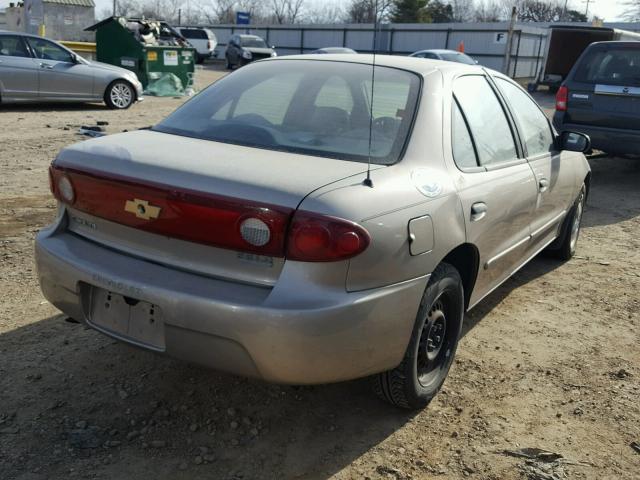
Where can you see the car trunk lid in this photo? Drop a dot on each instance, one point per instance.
(175, 200)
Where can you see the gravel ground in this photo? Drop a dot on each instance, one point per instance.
(550, 360)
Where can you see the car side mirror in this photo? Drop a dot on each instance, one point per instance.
(74, 58)
(575, 142)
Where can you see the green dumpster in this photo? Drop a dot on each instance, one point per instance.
(147, 47)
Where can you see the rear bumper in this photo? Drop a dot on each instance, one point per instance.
(292, 333)
(610, 140)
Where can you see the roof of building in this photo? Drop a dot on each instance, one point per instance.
(77, 3)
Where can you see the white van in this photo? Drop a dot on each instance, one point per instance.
(202, 39)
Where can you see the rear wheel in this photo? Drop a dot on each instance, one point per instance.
(119, 95)
(426, 363)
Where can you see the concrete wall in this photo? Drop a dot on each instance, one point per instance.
(62, 22)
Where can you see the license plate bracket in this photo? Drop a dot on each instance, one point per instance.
(130, 318)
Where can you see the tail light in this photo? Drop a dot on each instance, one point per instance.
(562, 96)
(61, 186)
(198, 217)
(208, 44)
(209, 219)
(319, 238)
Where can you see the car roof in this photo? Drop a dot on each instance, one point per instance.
(616, 44)
(422, 66)
(439, 50)
(245, 35)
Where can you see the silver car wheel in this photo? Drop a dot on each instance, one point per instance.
(121, 95)
(575, 226)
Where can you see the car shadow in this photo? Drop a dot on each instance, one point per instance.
(536, 268)
(44, 107)
(55, 374)
(614, 195)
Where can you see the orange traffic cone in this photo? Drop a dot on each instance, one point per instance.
(461, 46)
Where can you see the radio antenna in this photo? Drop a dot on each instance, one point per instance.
(367, 181)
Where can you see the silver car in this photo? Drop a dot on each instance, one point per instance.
(295, 223)
(36, 69)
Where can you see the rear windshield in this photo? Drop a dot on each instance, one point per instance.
(194, 33)
(457, 57)
(619, 66)
(252, 42)
(313, 107)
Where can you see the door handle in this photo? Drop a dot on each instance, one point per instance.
(543, 185)
(47, 66)
(478, 211)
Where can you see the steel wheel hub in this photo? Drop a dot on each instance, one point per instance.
(436, 334)
(433, 343)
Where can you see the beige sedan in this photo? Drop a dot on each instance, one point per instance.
(295, 223)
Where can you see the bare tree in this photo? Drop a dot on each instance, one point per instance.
(364, 11)
(324, 14)
(488, 11)
(631, 11)
(218, 11)
(463, 10)
(286, 11)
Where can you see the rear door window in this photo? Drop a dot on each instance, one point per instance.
(486, 119)
(12, 46)
(611, 66)
(532, 123)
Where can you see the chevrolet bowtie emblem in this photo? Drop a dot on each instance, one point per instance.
(142, 209)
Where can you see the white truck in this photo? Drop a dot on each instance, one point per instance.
(202, 39)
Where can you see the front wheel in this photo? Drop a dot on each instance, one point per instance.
(119, 95)
(426, 363)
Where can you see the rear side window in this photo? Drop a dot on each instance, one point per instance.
(486, 119)
(612, 66)
(12, 47)
(194, 33)
(463, 152)
(532, 123)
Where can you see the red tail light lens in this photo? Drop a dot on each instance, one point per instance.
(189, 215)
(561, 99)
(318, 238)
(208, 44)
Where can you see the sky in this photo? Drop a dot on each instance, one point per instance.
(610, 10)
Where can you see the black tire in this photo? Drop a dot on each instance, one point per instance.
(200, 59)
(228, 64)
(565, 248)
(116, 96)
(426, 363)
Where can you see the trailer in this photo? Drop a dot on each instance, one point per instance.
(565, 43)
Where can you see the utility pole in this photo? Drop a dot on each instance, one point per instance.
(507, 56)
(586, 11)
(115, 7)
(563, 15)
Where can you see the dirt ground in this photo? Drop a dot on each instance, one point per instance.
(551, 360)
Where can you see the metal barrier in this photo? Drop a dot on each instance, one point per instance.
(486, 42)
(80, 47)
